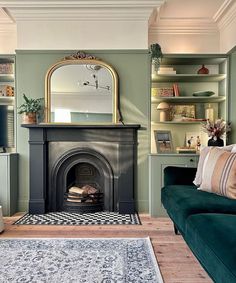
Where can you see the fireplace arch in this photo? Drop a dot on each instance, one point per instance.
(66, 172)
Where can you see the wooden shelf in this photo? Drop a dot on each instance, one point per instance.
(188, 78)
(189, 99)
(176, 122)
(6, 78)
(7, 100)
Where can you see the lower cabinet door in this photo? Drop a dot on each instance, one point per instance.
(157, 164)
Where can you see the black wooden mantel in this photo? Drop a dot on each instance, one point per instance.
(40, 135)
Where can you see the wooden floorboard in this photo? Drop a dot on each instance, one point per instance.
(177, 263)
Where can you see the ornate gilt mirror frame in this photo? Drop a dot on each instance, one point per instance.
(80, 58)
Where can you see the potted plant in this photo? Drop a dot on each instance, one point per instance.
(30, 108)
(156, 55)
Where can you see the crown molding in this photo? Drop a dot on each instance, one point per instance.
(183, 26)
(80, 4)
(7, 29)
(84, 14)
(85, 10)
(4, 17)
(222, 10)
(227, 16)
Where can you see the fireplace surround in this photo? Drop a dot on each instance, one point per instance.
(104, 156)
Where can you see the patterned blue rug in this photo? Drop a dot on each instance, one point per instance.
(78, 260)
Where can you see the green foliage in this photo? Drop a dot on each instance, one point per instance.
(156, 55)
(30, 105)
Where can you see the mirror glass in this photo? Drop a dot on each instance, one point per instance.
(81, 91)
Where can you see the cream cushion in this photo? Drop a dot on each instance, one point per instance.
(219, 175)
(203, 158)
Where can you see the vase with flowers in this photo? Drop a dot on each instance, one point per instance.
(215, 131)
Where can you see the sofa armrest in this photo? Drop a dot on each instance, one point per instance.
(179, 175)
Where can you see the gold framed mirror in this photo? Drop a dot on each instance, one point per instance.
(81, 89)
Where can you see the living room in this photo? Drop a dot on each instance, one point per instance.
(38, 38)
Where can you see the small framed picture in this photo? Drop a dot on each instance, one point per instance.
(193, 140)
(180, 112)
(163, 141)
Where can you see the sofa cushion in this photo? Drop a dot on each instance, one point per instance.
(219, 174)
(204, 153)
(212, 237)
(181, 201)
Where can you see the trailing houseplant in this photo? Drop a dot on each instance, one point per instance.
(156, 55)
(30, 108)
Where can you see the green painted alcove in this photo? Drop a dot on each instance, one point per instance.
(133, 68)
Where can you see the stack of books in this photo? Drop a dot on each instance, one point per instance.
(186, 150)
(166, 71)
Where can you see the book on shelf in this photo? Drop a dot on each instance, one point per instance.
(166, 71)
(176, 89)
(186, 150)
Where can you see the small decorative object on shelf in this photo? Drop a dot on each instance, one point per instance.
(203, 70)
(6, 68)
(163, 141)
(209, 113)
(162, 92)
(156, 55)
(30, 108)
(215, 131)
(164, 108)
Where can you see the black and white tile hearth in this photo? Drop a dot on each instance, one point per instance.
(70, 218)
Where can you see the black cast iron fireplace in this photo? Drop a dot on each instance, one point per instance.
(82, 168)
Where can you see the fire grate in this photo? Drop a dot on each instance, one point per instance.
(85, 200)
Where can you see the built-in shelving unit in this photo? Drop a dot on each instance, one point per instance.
(181, 127)
(7, 103)
(189, 82)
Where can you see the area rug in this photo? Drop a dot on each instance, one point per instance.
(78, 260)
(70, 218)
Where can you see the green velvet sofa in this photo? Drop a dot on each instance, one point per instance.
(206, 221)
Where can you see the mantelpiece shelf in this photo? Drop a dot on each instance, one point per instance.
(189, 99)
(188, 78)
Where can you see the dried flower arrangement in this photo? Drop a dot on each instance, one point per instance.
(216, 129)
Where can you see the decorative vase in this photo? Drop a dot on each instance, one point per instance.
(29, 118)
(203, 70)
(217, 142)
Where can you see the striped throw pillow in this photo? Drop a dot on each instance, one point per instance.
(219, 176)
(204, 153)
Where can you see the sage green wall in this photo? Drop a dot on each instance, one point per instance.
(133, 68)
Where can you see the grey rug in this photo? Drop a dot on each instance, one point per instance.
(78, 260)
(71, 218)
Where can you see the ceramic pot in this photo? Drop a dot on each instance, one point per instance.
(217, 142)
(203, 70)
(29, 118)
